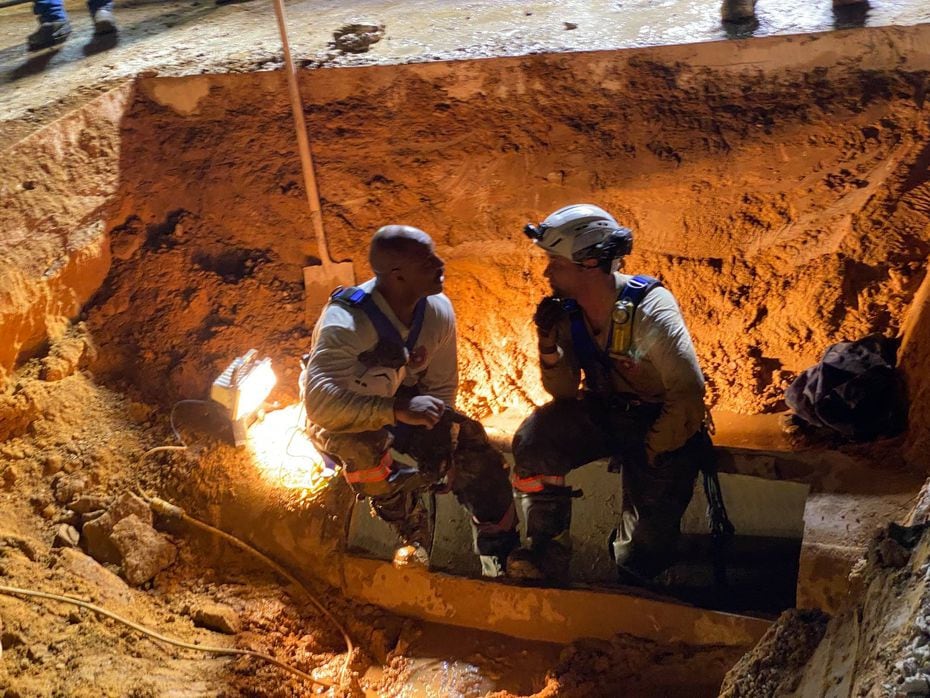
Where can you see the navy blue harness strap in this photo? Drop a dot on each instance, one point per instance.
(358, 298)
(419, 312)
(636, 288)
(589, 354)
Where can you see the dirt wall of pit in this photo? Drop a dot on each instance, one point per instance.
(779, 187)
(55, 187)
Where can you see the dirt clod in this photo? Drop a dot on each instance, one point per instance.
(357, 37)
(66, 537)
(143, 550)
(214, 616)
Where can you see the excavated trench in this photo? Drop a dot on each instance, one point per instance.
(779, 187)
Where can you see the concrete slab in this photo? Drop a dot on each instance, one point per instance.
(553, 615)
(757, 508)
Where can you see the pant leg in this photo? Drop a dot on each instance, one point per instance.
(50, 10)
(554, 440)
(655, 498)
(93, 6)
(480, 480)
(371, 472)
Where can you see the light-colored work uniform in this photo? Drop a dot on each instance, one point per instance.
(645, 411)
(350, 383)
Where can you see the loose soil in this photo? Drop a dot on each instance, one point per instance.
(84, 439)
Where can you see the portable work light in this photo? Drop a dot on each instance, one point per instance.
(242, 389)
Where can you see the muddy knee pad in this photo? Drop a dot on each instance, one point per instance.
(547, 514)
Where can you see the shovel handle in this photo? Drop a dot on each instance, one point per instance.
(303, 143)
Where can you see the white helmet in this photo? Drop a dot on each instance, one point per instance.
(582, 232)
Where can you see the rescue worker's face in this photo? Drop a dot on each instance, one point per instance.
(423, 271)
(564, 276)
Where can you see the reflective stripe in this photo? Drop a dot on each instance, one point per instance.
(380, 472)
(536, 483)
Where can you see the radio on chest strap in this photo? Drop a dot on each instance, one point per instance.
(594, 361)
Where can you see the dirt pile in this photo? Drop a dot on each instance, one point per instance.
(771, 668)
(589, 669)
(877, 646)
(67, 456)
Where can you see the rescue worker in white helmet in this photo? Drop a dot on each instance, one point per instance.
(382, 375)
(619, 364)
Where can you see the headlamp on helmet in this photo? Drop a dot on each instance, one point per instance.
(582, 233)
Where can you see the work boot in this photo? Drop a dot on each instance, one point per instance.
(49, 34)
(545, 562)
(737, 10)
(104, 21)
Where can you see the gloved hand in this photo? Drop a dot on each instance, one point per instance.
(547, 316)
(419, 411)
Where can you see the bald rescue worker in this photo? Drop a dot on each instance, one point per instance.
(383, 375)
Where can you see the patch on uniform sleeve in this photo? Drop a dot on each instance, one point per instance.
(418, 358)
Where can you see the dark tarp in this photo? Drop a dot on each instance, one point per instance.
(855, 390)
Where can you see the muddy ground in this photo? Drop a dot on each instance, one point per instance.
(84, 445)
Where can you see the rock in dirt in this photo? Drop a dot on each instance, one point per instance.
(916, 685)
(108, 587)
(26, 546)
(37, 653)
(214, 616)
(128, 504)
(66, 536)
(97, 533)
(10, 637)
(97, 543)
(357, 38)
(87, 503)
(67, 488)
(52, 464)
(144, 551)
(10, 476)
(68, 517)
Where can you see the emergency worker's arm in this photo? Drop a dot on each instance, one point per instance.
(441, 378)
(661, 335)
(333, 360)
(561, 374)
